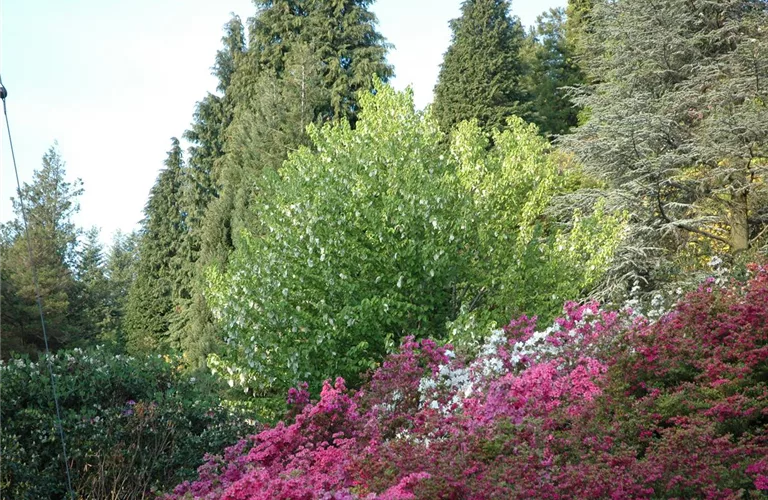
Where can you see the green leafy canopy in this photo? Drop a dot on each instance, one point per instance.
(380, 232)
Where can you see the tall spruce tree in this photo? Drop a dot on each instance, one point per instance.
(120, 270)
(191, 321)
(480, 77)
(551, 70)
(151, 298)
(91, 306)
(50, 202)
(678, 121)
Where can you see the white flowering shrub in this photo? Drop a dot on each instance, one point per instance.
(384, 231)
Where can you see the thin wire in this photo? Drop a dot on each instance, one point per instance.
(39, 307)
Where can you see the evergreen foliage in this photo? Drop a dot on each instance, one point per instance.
(340, 33)
(91, 305)
(551, 71)
(266, 129)
(577, 24)
(120, 271)
(150, 300)
(678, 126)
(83, 292)
(205, 234)
(481, 74)
(50, 202)
(13, 317)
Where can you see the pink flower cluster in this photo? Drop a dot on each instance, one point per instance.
(601, 405)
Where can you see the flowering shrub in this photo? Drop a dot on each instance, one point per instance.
(133, 425)
(600, 405)
(382, 231)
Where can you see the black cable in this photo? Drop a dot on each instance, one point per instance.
(3, 95)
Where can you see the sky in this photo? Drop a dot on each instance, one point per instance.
(112, 81)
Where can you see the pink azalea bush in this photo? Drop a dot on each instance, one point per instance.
(600, 405)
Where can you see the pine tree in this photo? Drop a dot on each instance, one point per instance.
(552, 69)
(480, 77)
(151, 298)
(50, 202)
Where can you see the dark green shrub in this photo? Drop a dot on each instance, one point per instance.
(133, 425)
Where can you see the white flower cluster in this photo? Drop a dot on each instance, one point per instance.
(456, 383)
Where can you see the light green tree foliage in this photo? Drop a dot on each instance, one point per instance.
(359, 239)
(378, 232)
(527, 263)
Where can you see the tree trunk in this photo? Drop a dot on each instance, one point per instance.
(738, 219)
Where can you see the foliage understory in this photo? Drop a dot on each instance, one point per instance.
(603, 404)
(132, 426)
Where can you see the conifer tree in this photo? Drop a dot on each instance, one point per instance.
(151, 300)
(480, 77)
(578, 15)
(340, 33)
(91, 309)
(678, 123)
(50, 202)
(14, 317)
(552, 69)
(268, 127)
(191, 320)
(120, 270)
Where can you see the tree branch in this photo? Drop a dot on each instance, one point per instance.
(686, 226)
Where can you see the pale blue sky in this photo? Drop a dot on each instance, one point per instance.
(114, 80)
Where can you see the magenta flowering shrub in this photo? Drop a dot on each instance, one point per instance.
(600, 405)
